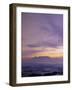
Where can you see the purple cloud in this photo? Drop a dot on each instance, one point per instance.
(42, 30)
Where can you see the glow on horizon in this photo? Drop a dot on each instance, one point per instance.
(47, 52)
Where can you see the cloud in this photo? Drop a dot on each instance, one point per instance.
(43, 44)
(41, 32)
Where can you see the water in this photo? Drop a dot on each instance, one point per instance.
(42, 66)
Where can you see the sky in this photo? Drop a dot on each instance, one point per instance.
(42, 35)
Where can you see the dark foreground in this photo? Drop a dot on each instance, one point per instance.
(42, 66)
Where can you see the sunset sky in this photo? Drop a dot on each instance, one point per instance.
(42, 35)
